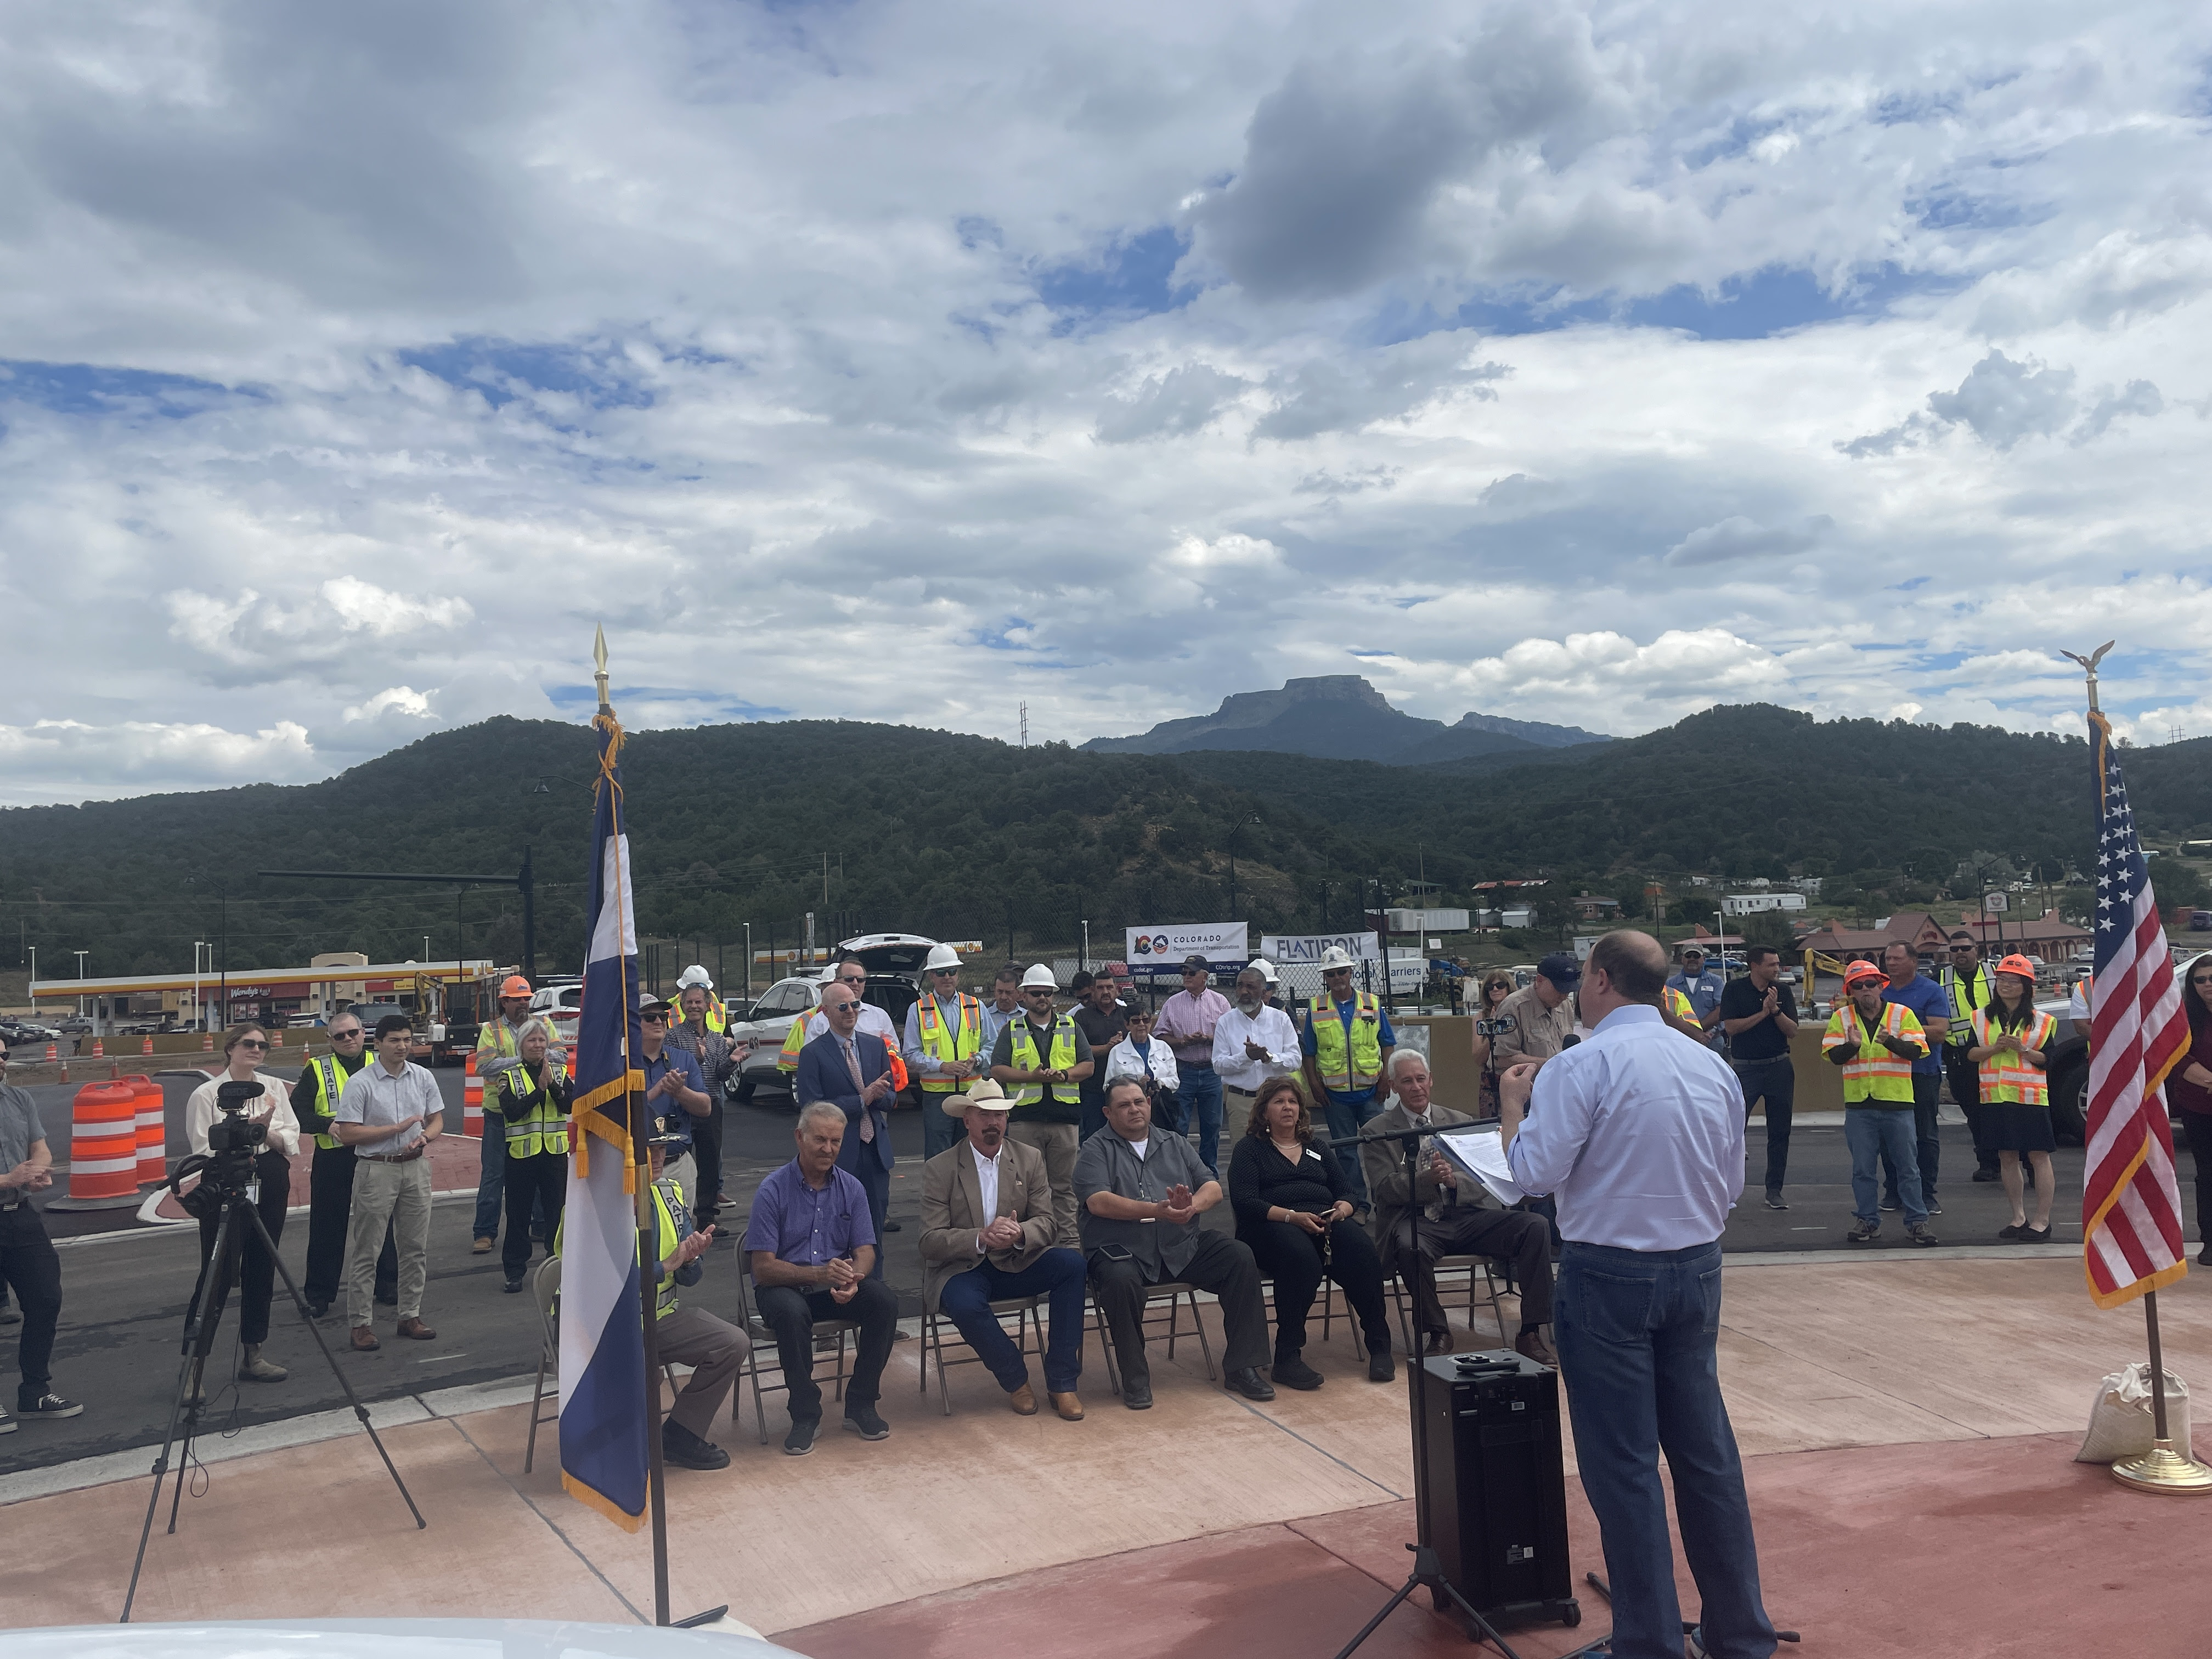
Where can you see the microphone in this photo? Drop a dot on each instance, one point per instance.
(1570, 1040)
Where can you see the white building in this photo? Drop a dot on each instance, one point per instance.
(1750, 904)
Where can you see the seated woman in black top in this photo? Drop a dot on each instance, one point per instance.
(1294, 1211)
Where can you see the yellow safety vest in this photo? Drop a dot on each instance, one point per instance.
(2006, 1075)
(1876, 1074)
(330, 1079)
(1967, 996)
(1347, 1075)
(544, 1130)
(667, 1191)
(793, 1041)
(1023, 1056)
(495, 1040)
(948, 1045)
(1680, 1006)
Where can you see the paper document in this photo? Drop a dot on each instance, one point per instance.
(1482, 1153)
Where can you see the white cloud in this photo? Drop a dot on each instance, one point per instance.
(912, 363)
(69, 760)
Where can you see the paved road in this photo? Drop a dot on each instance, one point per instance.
(126, 1287)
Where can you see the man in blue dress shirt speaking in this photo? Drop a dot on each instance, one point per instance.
(1640, 1137)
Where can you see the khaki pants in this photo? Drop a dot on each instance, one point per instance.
(1057, 1142)
(714, 1349)
(396, 1195)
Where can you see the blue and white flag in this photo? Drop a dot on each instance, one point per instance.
(603, 1400)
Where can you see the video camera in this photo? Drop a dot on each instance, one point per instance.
(232, 1134)
(1496, 1028)
(233, 1142)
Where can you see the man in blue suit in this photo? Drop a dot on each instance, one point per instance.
(851, 1069)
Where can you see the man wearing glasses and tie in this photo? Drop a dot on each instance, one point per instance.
(851, 1070)
(329, 1193)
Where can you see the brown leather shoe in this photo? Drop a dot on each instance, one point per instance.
(1023, 1401)
(1068, 1406)
(1440, 1341)
(364, 1339)
(481, 1246)
(1532, 1344)
(415, 1330)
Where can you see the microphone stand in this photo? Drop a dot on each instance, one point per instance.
(1428, 1570)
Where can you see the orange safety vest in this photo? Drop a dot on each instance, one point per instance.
(2006, 1075)
(1876, 1074)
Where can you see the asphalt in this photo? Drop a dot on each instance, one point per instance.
(126, 1285)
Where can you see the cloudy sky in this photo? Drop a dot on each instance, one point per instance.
(909, 361)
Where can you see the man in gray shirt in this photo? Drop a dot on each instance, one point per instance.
(389, 1115)
(27, 1260)
(1140, 1195)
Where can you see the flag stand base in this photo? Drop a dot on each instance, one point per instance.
(2163, 1469)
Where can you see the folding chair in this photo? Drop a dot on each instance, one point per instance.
(545, 1288)
(843, 1328)
(1455, 1264)
(1024, 1309)
(1173, 1291)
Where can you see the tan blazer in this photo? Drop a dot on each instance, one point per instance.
(952, 1213)
(1383, 1163)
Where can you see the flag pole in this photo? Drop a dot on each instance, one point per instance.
(649, 1250)
(2162, 1468)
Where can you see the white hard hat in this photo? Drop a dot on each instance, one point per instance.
(696, 974)
(941, 956)
(1336, 957)
(1039, 974)
(1267, 970)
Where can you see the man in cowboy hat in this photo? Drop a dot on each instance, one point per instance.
(987, 1230)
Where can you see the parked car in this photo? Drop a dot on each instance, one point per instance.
(22, 1034)
(893, 964)
(558, 1002)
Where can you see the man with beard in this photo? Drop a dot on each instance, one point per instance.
(1253, 1043)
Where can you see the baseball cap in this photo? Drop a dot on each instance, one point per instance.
(1562, 970)
(1194, 961)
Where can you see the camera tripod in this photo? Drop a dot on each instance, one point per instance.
(223, 1175)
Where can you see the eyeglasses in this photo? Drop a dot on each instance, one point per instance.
(1044, 991)
(840, 1008)
(248, 1042)
(858, 979)
(652, 1019)
(941, 972)
(348, 1036)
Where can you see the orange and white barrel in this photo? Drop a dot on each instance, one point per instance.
(103, 1172)
(472, 1099)
(207, 1043)
(99, 1049)
(53, 1053)
(153, 1148)
(146, 1048)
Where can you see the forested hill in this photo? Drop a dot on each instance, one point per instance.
(957, 836)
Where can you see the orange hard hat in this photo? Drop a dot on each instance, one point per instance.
(513, 985)
(1860, 972)
(2017, 963)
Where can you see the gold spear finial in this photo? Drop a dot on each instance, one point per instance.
(600, 658)
(2088, 666)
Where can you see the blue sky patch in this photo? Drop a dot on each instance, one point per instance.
(502, 371)
(717, 705)
(94, 389)
(1131, 277)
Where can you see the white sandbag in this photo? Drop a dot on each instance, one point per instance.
(2120, 1422)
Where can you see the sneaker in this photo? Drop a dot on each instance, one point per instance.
(1291, 1371)
(48, 1404)
(679, 1446)
(1381, 1368)
(800, 1440)
(1987, 1175)
(1934, 1208)
(7, 1423)
(1919, 1233)
(1862, 1232)
(1774, 1199)
(1891, 1205)
(862, 1420)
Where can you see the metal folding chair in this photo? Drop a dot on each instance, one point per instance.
(843, 1328)
(1173, 1292)
(1454, 1265)
(545, 1289)
(1024, 1309)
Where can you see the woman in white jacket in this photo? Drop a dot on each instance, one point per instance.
(245, 1049)
(1139, 1055)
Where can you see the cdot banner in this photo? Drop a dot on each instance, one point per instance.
(1284, 949)
(1160, 951)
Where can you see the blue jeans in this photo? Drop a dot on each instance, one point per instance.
(1347, 1114)
(1879, 1135)
(1927, 1144)
(491, 1175)
(1059, 1274)
(1198, 1094)
(1776, 1082)
(1635, 1332)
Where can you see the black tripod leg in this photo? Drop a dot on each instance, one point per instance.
(331, 1359)
(199, 1318)
(229, 1251)
(1376, 1623)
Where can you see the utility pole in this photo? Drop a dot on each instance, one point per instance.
(749, 961)
(1025, 727)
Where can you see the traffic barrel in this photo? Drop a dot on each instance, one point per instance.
(53, 1053)
(103, 1173)
(153, 1149)
(207, 1043)
(146, 1048)
(472, 1099)
(99, 1049)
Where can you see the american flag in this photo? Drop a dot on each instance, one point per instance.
(2130, 1204)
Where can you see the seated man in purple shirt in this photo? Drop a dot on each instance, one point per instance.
(809, 1244)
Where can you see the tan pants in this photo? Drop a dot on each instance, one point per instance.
(714, 1349)
(1057, 1142)
(397, 1195)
